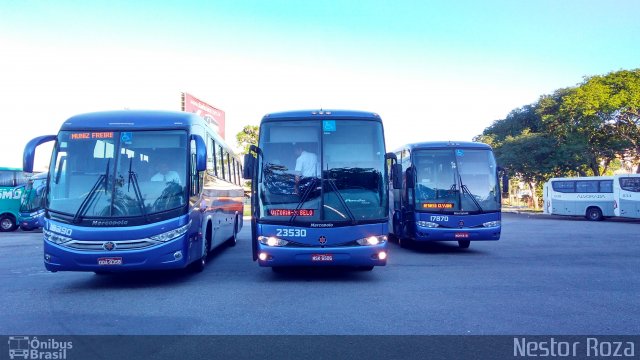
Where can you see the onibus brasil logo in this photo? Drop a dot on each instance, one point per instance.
(25, 347)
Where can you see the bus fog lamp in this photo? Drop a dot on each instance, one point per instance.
(491, 223)
(427, 224)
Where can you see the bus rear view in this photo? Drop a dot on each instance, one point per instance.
(319, 190)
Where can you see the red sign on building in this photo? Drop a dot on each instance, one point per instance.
(213, 116)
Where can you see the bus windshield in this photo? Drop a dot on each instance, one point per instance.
(322, 170)
(450, 180)
(117, 174)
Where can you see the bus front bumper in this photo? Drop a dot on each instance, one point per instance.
(452, 234)
(170, 255)
(351, 256)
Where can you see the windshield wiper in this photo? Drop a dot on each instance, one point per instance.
(84, 205)
(133, 178)
(304, 197)
(344, 203)
(466, 190)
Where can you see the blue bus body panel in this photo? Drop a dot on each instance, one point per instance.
(31, 221)
(155, 256)
(457, 227)
(336, 245)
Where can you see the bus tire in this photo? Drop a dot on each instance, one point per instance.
(233, 240)
(405, 243)
(8, 223)
(200, 264)
(464, 244)
(594, 214)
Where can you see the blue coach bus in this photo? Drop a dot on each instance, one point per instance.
(137, 190)
(449, 192)
(32, 205)
(319, 190)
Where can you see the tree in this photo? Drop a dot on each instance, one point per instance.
(247, 136)
(606, 110)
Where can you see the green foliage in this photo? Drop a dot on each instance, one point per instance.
(583, 130)
(247, 136)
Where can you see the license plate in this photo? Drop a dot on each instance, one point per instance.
(322, 257)
(110, 261)
(462, 235)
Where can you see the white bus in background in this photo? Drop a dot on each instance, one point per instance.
(591, 197)
(626, 194)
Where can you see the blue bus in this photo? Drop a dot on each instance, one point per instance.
(137, 190)
(32, 204)
(12, 183)
(446, 191)
(319, 190)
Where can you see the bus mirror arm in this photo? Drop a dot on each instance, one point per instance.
(30, 151)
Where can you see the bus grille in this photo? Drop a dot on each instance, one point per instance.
(119, 245)
(295, 244)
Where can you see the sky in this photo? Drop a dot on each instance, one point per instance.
(433, 70)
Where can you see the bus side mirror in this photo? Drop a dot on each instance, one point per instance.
(396, 176)
(249, 165)
(410, 179)
(29, 152)
(505, 184)
(201, 153)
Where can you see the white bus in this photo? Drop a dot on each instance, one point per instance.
(591, 197)
(626, 194)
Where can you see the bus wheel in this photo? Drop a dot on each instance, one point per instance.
(233, 240)
(594, 214)
(7, 223)
(464, 244)
(199, 265)
(404, 242)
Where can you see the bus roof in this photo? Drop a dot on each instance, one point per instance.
(445, 145)
(321, 114)
(124, 119)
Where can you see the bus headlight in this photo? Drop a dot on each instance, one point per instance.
(372, 240)
(491, 223)
(172, 234)
(272, 241)
(55, 238)
(427, 224)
